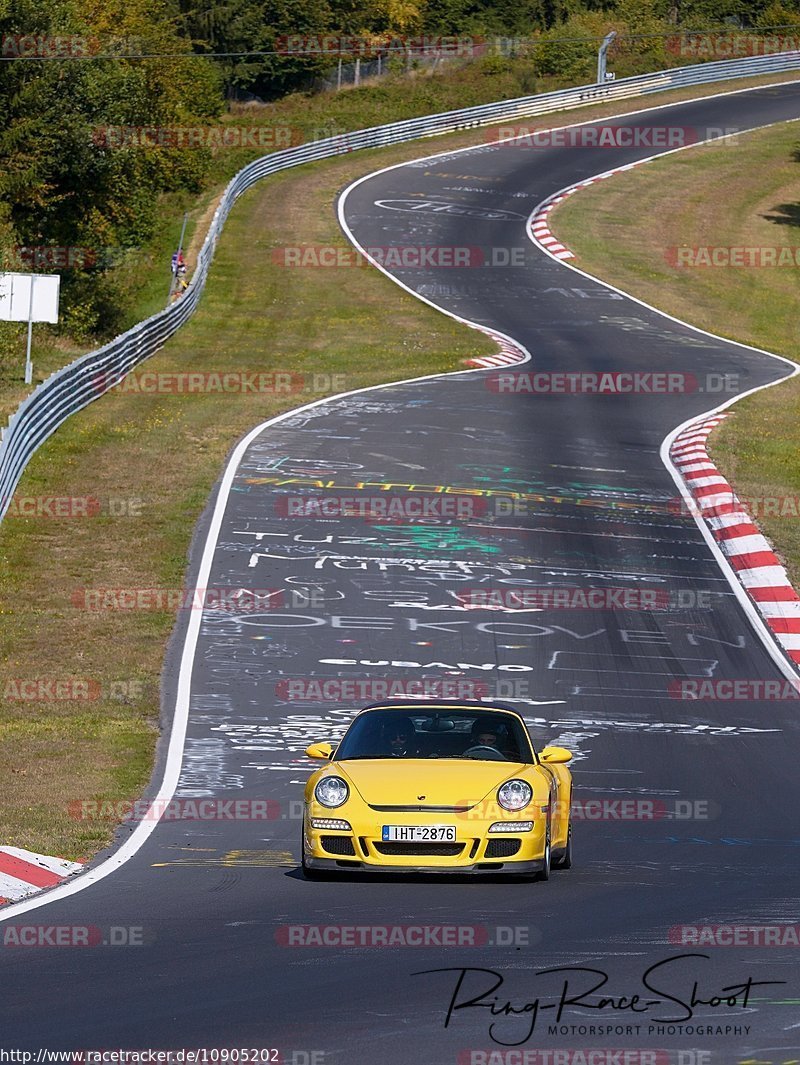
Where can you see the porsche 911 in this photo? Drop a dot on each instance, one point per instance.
(437, 787)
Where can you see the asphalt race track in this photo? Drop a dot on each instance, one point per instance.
(215, 899)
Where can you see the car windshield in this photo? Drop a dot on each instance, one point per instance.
(406, 732)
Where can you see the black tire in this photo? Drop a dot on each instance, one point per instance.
(564, 861)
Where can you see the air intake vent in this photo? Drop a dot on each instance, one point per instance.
(502, 848)
(341, 845)
(421, 809)
(442, 850)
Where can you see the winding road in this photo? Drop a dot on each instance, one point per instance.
(566, 491)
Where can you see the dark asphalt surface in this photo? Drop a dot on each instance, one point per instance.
(371, 602)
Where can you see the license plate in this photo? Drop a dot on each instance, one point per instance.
(419, 834)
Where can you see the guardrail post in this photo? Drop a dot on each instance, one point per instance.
(601, 57)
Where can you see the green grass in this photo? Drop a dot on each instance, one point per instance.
(741, 195)
(144, 275)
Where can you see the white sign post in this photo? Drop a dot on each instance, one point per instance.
(29, 298)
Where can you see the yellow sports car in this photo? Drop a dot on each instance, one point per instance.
(437, 787)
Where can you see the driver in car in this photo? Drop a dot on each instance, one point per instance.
(486, 734)
(488, 738)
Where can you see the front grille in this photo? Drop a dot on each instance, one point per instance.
(442, 850)
(338, 845)
(421, 809)
(502, 848)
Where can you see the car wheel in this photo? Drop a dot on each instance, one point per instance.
(544, 874)
(564, 861)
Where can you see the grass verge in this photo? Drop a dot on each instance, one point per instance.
(151, 461)
(143, 275)
(634, 229)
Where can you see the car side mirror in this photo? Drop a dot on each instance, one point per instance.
(323, 751)
(555, 755)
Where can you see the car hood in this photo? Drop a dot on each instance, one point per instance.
(442, 782)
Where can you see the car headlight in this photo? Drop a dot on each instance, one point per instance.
(331, 792)
(514, 795)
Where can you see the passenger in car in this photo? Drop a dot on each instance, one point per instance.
(399, 738)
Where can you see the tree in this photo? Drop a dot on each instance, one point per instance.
(259, 26)
(64, 183)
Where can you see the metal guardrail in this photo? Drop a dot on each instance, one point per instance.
(87, 378)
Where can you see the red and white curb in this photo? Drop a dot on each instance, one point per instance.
(749, 553)
(540, 229)
(540, 225)
(508, 355)
(23, 873)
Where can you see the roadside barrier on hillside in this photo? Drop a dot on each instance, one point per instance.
(81, 382)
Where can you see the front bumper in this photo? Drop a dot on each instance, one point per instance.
(488, 868)
(476, 850)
